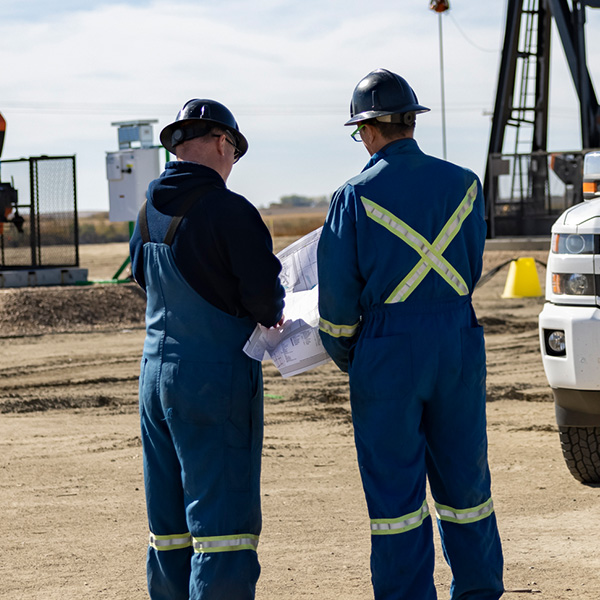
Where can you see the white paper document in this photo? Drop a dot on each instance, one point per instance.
(296, 346)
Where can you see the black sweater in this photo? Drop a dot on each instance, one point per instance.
(222, 247)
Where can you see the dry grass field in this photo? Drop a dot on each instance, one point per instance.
(285, 223)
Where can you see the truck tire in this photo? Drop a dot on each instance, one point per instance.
(581, 450)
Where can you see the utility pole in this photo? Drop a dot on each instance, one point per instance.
(440, 6)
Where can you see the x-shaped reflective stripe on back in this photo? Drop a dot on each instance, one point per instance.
(431, 253)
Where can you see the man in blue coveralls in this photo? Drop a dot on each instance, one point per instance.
(398, 259)
(204, 257)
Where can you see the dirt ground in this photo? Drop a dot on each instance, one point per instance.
(71, 491)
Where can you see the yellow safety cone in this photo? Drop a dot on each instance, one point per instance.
(522, 280)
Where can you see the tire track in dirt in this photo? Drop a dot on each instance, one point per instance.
(58, 371)
(52, 369)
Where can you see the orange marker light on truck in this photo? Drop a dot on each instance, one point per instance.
(556, 283)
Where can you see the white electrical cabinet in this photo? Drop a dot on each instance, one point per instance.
(129, 172)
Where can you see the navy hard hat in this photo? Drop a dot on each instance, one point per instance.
(195, 120)
(381, 93)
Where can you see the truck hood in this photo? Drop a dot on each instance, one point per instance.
(581, 218)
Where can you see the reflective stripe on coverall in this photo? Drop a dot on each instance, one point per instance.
(416, 360)
(202, 421)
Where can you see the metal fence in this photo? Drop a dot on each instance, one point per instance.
(529, 191)
(47, 200)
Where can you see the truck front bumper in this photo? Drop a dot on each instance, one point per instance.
(576, 408)
(574, 376)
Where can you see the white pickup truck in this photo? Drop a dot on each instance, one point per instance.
(569, 326)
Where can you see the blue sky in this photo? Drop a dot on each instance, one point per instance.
(286, 69)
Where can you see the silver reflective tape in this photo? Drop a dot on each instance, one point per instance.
(170, 542)
(397, 526)
(445, 513)
(397, 226)
(337, 330)
(409, 283)
(466, 206)
(208, 544)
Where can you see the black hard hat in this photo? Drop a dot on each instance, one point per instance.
(192, 120)
(382, 93)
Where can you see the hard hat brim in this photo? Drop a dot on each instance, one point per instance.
(166, 134)
(371, 114)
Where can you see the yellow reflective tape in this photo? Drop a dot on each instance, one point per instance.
(464, 515)
(401, 524)
(397, 226)
(409, 284)
(418, 243)
(431, 254)
(337, 330)
(170, 542)
(455, 222)
(225, 543)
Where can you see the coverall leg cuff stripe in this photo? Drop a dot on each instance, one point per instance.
(226, 543)
(170, 542)
(401, 524)
(465, 515)
(337, 330)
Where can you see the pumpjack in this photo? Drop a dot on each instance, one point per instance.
(519, 186)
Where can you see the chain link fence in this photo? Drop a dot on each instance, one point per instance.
(47, 201)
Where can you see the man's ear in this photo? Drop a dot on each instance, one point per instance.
(368, 133)
(221, 145)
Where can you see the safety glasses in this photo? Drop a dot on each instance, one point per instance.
(355, 135)
(236, 152)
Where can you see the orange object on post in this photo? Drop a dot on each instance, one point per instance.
(439, 6)
(2, 131)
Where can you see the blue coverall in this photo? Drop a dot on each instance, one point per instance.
(201, 397)
(398, 259)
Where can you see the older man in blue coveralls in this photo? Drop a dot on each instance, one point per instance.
(204, 257)
(399, 257)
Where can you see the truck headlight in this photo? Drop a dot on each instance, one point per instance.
(578, 284)
(573, 243)
(573, 284)
(555, 342)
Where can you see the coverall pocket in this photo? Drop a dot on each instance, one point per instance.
(238, 459)
(243, 435)
(197, 392)
(473, 356)
(382, 368)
